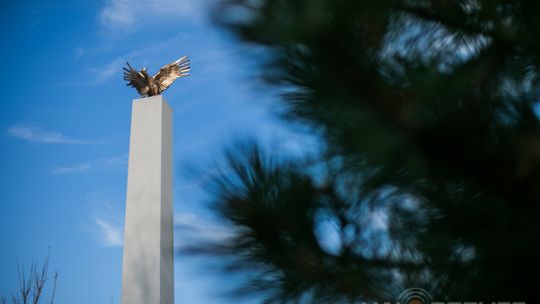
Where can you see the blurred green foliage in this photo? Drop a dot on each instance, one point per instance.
(429, 174)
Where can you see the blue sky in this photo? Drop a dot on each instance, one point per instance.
(64, 132)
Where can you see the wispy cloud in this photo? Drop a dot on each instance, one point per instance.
(106, 71)
(113, 68)
(38, 135)
(129, 14)
(106, 219)
(111, 233)
(108, 163)
(78, 52)
(108, 228)
(196, 228)
(72, 169)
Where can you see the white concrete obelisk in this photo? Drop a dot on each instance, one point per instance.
(147, 268)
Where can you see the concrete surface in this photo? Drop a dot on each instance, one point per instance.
(147, 268)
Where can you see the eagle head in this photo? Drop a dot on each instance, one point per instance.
(144, 72)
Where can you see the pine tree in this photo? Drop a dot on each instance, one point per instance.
(430, 172)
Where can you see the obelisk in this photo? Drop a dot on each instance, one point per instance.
(147, 268)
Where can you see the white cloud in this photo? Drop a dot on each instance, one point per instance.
(129, 14)
(72, 169)
(78, 52)
(189, 228)
(38, 135)
(195, 228)
(108, 163)
(111, 233)
(105, 72)
(118, 162)
(106, 220)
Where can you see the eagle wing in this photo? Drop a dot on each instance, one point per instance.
(136, 80)
(172, 71)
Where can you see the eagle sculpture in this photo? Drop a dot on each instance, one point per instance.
(148, 85)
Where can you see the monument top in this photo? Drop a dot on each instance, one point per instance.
(156, 98)
(148, 85)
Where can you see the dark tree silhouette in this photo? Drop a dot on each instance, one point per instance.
(430, 172)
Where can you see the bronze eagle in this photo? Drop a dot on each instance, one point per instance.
(148, 85)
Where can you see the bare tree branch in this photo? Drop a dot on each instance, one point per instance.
(32, 284)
